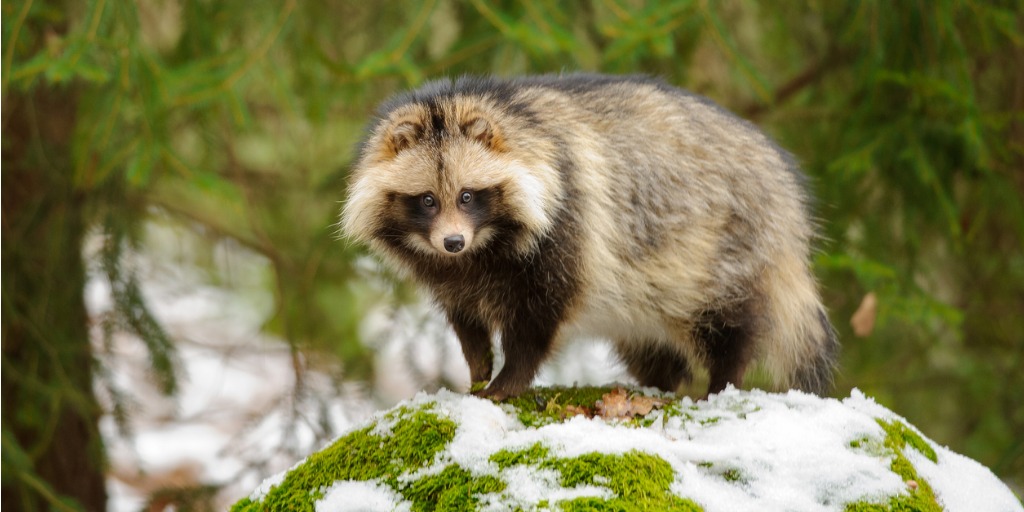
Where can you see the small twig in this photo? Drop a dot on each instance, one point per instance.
(808, 76)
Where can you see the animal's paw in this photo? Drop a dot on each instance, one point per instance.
(490, 392)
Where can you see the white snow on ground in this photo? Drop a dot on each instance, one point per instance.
(958, 493)
(791, 451)
(361, 497)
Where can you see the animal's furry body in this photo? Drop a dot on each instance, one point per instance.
(546, 207)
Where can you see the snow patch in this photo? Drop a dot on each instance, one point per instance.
(361, 497)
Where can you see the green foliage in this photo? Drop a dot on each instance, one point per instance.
(915, 180)
(130, 310)
(18, 469)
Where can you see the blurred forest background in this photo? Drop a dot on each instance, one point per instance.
(237, 120)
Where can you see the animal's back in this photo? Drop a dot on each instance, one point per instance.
(695, 217)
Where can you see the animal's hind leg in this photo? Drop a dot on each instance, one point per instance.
(726, 338)
(654, 364)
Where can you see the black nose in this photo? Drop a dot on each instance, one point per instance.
(454, 243)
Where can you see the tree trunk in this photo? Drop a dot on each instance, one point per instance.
(48, 402)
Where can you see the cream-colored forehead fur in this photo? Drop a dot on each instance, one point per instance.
(523, 166)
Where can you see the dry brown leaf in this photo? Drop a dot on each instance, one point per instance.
(575, 410)
(613, 404)
(643, 404)
(863, 320)
(618, 404)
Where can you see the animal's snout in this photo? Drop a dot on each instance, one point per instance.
(454, 243)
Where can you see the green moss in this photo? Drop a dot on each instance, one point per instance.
(640, 481)
(531, 456)
(416, 437)
(863, 506)
(920, 500)
(732, 475)
(543, 406)
(245, 505)
(453, 488)
(897, 437)
(874, 447)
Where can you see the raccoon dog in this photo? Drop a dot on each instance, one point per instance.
(549, 207)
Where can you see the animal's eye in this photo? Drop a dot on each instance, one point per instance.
(428, 201)
(466, 197)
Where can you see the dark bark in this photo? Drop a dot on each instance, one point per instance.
(48, 402)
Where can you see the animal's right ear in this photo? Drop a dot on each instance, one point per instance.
(403, 136)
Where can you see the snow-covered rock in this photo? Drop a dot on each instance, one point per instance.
(605, 449)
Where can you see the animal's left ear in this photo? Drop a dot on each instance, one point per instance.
(403, 136)
(483, 131)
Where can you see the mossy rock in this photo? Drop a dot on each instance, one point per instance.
(562, 449)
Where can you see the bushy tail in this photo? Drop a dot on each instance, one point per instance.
(801, 345)
(814, 375)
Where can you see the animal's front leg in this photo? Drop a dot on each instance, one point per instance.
(525, 346)
(476, 347)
